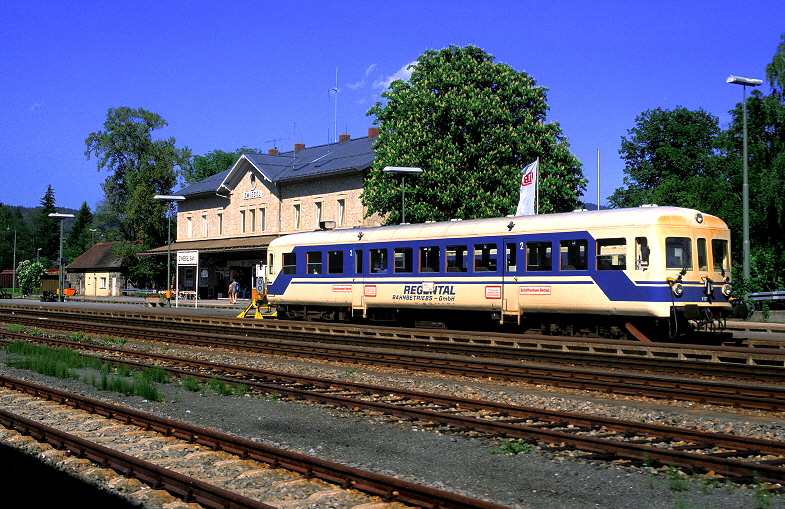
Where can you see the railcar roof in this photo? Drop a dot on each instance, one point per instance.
(583, 220)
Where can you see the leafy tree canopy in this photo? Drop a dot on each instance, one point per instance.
(471, 124)
(29, 274)
(670, 158)
(213, 163)
(140, 167)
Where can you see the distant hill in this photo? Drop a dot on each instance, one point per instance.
(29, 212)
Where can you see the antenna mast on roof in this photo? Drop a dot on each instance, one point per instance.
(275, 141)
(335, 118)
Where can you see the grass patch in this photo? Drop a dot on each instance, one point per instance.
(191, 384)
(80, 337)
(65, 363)
(513, 447)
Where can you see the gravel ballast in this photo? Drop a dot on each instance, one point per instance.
(459, 462)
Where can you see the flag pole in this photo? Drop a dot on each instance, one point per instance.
(537, 189)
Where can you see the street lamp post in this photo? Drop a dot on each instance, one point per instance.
(169, 199)
(13, 277)
(745, 82)
(403, 171)
(61, 260)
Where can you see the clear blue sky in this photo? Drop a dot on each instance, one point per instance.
(231, 74)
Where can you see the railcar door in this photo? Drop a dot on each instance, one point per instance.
(512, 256)
(358, 282)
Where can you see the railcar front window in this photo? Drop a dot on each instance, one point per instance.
(719, 253)
(429, 259)
(574, 254)
(378, 260)
(485, 257)
(289, 263)
(403, 259)
(539, 256)
(678, 253)
(313, 262)
(335, 262)
(612, 254)
(703, 255)
(457, 259)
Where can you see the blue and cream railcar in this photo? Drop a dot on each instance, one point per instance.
(644, 265)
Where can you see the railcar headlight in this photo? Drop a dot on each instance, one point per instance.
(676, 287)
(727, 290)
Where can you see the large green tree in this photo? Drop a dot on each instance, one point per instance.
(671, 158)
(140, 167)
(766, 177)
(471, 124)
(213, 163)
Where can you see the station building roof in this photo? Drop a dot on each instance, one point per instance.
(215, 246)
(303, 164)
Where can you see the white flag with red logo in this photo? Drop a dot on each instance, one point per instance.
(528, 200)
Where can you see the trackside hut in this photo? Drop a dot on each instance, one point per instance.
(97, 272)
(231, 217)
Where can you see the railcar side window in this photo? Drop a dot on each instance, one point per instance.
(335, 262)
(485, 257)
(457, 259)
(270, 265)
(511, 252)
(719, 253)
(678, 253)
(403, 259)
(379, 260)
(429, 259)
(703, 255)
(358, 261)
(574, 254)
(289, 263)
(642, 252)
(611, 254)
(313, 262)
(539, 256)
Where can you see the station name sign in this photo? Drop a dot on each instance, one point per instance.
(248, 195)
(188, 258)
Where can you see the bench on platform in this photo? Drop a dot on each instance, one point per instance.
(126, 291)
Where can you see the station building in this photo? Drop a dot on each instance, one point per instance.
(228, 220)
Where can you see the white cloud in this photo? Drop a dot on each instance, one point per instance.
(404, 73)
(361, 83)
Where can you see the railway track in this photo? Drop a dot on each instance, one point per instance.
(739, 458)
(716, 392)
(245, 455)
(767, 357)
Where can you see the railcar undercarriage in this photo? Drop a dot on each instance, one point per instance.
(684, 321)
